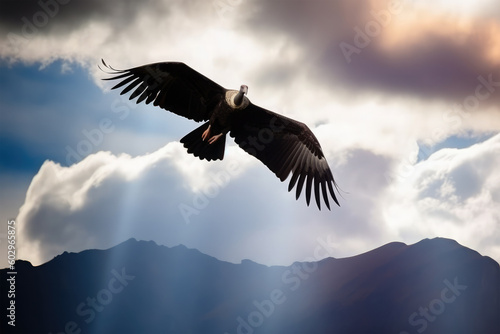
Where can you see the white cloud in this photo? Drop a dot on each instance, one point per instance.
(226, 208)
(84, 205)
(455, 193)
(168, 196)
(222, 208)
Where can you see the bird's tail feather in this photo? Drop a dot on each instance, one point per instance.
(202, 149)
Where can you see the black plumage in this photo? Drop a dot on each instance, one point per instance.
(284, 145)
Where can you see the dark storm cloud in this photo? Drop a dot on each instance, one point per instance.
(345, 42)
(65, 16)
(435, 67)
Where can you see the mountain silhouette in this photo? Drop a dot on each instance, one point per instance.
(433, 286)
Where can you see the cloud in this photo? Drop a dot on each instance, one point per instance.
(286, 49)
(387, 47)
(43, 18)
(67, 13)
(171, 197)
(354, 47)
(98, 201)
(454, 193)
(167, 196)
(84, 31)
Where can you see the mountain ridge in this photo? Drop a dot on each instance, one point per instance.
(384, 247)
(142, 287)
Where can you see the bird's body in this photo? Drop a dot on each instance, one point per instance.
(284, 145)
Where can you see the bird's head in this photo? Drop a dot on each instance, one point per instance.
(238, 98)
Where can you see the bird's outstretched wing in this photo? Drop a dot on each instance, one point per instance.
(285, 146)
(172, 86)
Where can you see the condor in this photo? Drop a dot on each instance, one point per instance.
(284, 145)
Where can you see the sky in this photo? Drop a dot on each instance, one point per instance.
(404, 97)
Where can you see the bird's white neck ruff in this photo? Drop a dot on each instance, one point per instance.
(230, 95)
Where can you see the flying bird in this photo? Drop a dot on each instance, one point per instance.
(283, 144)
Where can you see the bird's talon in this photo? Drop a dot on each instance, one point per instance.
(205, 134)
(214, 138)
